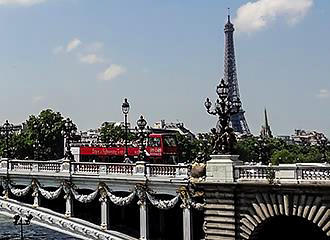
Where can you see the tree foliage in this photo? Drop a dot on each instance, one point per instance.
(277, 151)
(110, 133)
(41, 137)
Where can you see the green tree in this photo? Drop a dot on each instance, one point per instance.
(109, 133)
(42, 134)
(283, 156)
(188, 148)
(246, 149)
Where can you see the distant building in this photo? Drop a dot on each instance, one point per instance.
(307, 137)
(286, 138)
(178, 126)
(92, 136)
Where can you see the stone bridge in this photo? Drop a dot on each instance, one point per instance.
(266, 202)
(100, 200)
(152, 201)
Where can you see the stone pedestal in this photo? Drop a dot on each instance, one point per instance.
(65, 166)
(140, 168)
(221, 168)
(3, 165)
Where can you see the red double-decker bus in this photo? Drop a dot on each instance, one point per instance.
(160, 148)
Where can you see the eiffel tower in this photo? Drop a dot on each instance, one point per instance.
(238, 121)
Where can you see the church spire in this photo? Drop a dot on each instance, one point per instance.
(265, 129)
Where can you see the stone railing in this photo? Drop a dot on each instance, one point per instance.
(102, 168)
(23, 165)
(314, 173)
(167, 170)
(140, 169)
(285, 173)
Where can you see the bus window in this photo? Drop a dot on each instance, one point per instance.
(154, 142)
(169, 141)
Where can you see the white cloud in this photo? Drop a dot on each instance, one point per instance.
(112, 72)
(58, 50)
(254, 16)
(73, 44)
(90, 59)
(20, 2)
(324, 93)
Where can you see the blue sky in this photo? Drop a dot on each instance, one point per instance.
(83, 58)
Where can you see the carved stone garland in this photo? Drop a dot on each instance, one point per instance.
(163, 204)
(120, 201)
(84, 198)
(50, 195)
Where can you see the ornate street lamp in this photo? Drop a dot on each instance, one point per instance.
(69, 131)
(224, 108)
(37, 144)
(324, 145)
(142, 133)
(22, 220)
(125, 109)
(7, 130)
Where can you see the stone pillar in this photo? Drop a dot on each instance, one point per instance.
(140, 168)
(221, 168)
(144, 220)
(3, 165)
(65, 166)
(104, 213)
(68, 206)
(187, 223)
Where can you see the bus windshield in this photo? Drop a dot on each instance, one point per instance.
(169, 141)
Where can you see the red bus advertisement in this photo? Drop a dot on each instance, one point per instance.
(160, 148)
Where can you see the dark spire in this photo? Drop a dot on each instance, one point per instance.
(266, 119)
(265, 129)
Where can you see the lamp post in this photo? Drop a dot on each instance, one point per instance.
(69, 130)
(224, 108)
(22, 220)
(324, 144)
(125, 109)
(7, 129)
(142, 135)
(37, 143)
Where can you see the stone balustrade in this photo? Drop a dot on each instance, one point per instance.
(87, 168)
(282, 173)
(167, 170)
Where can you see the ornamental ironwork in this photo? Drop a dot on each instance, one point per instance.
(224, 107)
